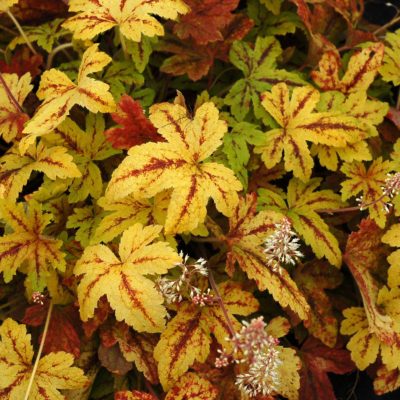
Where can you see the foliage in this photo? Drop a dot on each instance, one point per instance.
(198, 199)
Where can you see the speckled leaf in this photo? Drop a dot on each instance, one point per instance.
(192, 386)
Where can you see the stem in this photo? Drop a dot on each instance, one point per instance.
(221, 302)
(21, 31)
(9, 94)
(349, 209)
(383, 28)
(35, 367)
(7, 29)
(9, 304)
(51, 56)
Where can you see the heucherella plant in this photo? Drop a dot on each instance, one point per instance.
(198, 199)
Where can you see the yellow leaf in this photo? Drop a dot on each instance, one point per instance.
(28, 248)
(133, 297)
(278, 327)
(86, 220)
(386, 380)
(54, 370)
(369, 114)
(181, 164)
(299, 124)
(15, 169)
(12, 119)
(368, 338)
(123, 213)
(288, 370)
(302, 203)
(6, 4)
(185, 340)
(370, 182)
(361, 70)
(392, 236)
(247, 232)
(133, 18)
(192, 386)
(391, 59)
(187, 336)
(60, 94)
(88, 147)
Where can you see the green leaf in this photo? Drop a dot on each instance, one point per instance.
(141, 52)
(44, 35)
(235, 147)
(120, 76)
(259, 67)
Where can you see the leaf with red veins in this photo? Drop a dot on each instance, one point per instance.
(205, 20)
(364, 254)
(65, 329)
(135, 128)
(318, 360)
(361, 70)
(247, 232)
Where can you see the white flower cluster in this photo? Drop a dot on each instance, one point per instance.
(254, 347)
(282, 247)
(174, 290)
(262, 377)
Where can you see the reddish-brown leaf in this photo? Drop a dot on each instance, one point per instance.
(64, 329)
(205, 20)
(37, 11)
(318, 360)
(135, 127)
(194, 59)
(313, 278)
(22, 62)
(112, 359)
(101, 314)
(135, 347)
